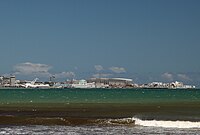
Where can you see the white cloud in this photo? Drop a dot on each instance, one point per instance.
(39, 70)
(167, 76)
(101, 75)
(118, 69)
(32, 68)
(65, 75)
(184, 77)
(98, 67)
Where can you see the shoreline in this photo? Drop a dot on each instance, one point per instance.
(13, 88)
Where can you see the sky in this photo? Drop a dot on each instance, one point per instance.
(146, 40)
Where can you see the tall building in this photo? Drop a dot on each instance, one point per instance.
(12, 81)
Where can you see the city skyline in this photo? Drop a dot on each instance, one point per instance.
(143, 40)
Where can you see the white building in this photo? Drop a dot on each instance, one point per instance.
(113, 82)
(83, 84)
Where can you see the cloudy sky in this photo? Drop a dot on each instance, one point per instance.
(146, 40)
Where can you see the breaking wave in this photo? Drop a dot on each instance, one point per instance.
(166, 124)
(134, 121)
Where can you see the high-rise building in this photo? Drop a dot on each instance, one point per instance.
(12, 81)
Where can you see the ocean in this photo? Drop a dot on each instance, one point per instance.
(99, 111)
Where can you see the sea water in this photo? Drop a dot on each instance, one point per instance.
(99, 111)
(94, 130)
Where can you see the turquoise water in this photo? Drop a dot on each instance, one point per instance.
(174, 104)
(98, 96)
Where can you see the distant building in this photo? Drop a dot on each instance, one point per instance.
(1, 81)
(83, 84)
(7, 81)
(12, 81)
(113, 82)
(172, 85)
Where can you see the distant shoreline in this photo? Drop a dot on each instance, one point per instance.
(100, 88)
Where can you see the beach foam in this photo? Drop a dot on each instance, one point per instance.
(166, 124)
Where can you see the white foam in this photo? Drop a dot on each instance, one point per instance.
(166, 124)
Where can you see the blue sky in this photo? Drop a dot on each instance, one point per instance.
(147, 40)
